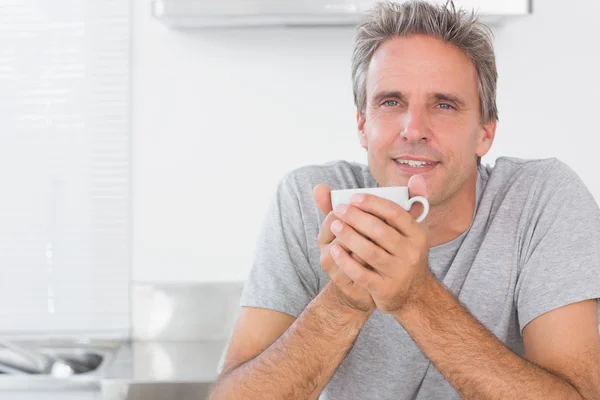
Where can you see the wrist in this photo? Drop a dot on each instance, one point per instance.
(338, 312)
(421, 298)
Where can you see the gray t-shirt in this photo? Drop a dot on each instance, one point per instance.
(533, 246)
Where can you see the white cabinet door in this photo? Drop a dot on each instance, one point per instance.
(483, 7)
(229, 13)
(496, 7)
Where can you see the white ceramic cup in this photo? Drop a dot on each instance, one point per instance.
(397, 194)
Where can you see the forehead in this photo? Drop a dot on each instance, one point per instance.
(420, 63)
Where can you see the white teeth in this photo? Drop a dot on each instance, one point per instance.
(413, 163)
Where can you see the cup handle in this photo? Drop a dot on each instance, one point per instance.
(424, 202)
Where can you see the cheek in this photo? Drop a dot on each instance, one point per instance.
(469, 144)
(383, 128)
(456, 140)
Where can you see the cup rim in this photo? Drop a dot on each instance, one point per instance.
(376, 189)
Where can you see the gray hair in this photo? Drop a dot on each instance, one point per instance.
(457, 27)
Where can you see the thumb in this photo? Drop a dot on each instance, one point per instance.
(322, 196)
(417, 187)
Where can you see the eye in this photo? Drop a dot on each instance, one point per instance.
(390, 103)
(445, 106)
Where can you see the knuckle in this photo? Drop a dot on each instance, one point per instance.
(396, 213)
(399, 244)
(371, 255)
(379, 232)
(361, 275)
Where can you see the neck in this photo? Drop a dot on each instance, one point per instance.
(449, 220)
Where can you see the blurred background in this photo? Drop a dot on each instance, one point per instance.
(139, 149)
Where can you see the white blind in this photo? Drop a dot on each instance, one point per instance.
(64, 166)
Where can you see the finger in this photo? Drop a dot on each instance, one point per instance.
(357, 258)
(368, 251)
(353, 255)
(340, 279)
(326, 260)
(417, 187)
(322, 196)
(371, 227)
(325, 235)
(393, 214)
(357, 273)
(329, 265)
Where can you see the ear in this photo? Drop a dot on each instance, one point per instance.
(486, 138)
(360, 121)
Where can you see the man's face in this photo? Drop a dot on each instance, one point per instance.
(423, 104)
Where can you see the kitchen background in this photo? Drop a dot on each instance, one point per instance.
(132, 153)
(219, 116)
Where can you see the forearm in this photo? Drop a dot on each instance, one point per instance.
(472, 359)
(303, 360)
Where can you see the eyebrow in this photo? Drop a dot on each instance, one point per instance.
(451, 98)
(386, 94)
(438, 96)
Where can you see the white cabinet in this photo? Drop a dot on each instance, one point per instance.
(490, 11)
(483, 7)
(496, 7)
(208, 13)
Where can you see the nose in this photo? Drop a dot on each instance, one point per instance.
(416, 127)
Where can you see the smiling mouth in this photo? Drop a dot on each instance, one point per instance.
(415, 163)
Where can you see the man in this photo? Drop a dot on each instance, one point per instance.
(493, 296)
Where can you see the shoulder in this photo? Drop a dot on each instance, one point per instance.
(542, 176)
(540, 192)
(523, 168)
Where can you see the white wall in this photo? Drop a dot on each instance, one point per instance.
(222, 112)
(64, 168)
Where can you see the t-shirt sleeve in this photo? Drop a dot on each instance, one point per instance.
(560, 261)
(281, 277)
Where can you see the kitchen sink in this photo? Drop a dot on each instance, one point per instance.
(90, 362)
(83, 360)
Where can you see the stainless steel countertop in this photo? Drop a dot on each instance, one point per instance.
(145, 369)
(158, 391)
(179, 333)
(167, 361)
(138, 370)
